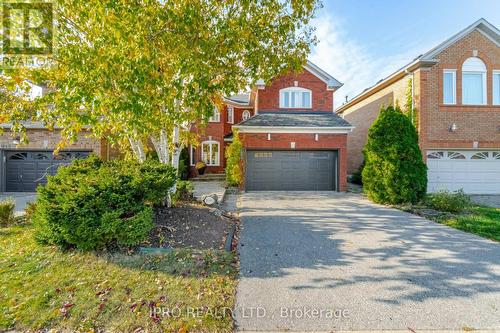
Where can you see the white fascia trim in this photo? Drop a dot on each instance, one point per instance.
(293, 129)
(323, 76)
(230, 101)
(450, 41)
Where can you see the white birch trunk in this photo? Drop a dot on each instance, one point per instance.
(138, 149)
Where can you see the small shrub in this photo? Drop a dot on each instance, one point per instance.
(183, 169)
(234, 176)
(357, 176)
(7, 212)
(184, 191)
(29, 211)
(92, 204)
(394, 171)
(452, 202)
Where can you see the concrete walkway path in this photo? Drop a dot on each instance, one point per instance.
(329, 261)
(202, 188)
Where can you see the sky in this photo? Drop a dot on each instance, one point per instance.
(363, 41)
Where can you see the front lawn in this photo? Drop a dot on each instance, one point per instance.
(43, 287)
(480, 220)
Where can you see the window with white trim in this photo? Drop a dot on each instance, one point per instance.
(210, 153)
(450, 86)
(496, 87)
(295, 98)
(230, 114)
(246, 115)
(192, 155)
(215, 118)
(474, 82)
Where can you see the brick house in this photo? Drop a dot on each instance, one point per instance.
(292, 138)
(455, 92)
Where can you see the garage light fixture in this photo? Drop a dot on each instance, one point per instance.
(316, 137)
(453, 127)
(268, 136)
(16, 140)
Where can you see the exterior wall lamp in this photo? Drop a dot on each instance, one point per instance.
(453, 127)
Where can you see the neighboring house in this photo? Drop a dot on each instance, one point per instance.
(292, 138)
(456, 99)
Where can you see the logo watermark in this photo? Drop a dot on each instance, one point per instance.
(251, 312)
(27, 33)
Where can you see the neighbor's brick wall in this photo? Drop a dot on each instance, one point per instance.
(322, 99)
(363, 114)
(48, 140)
(281, 141)
(475, 123)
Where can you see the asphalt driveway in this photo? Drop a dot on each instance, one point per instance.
(328, 261)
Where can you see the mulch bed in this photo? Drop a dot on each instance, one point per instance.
(189, 225)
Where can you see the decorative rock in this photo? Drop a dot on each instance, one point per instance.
(209, 199)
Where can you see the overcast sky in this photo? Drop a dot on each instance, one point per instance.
(362, 41)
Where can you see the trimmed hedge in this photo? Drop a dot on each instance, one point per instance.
(93, 205)
(394, 169)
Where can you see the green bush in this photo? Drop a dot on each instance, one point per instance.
(183, 168)
(184, 191)
(7, 212)
(394, 171)
(452, 202)
(357, 176)
(92, 204)
(29, 211)
(234, 175)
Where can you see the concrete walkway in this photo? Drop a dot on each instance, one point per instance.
(202, 188)
(21, 199)
(328, 261)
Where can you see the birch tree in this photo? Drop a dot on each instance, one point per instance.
(139, 72)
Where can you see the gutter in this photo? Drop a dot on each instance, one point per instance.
(294, 129)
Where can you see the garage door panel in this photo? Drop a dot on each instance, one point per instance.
(25, 170)
(472, 174)
(291, 170)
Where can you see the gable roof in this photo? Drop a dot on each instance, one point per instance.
(332, 83)
(427, 59)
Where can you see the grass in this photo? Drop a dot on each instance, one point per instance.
(42, 287)
(480, 220)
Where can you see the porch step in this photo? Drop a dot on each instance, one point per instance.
(210, 177)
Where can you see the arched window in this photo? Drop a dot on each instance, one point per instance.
(245, 115)
(474, 82)
(210, 153)
(295, 98)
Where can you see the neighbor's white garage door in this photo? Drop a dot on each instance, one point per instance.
(474, 171)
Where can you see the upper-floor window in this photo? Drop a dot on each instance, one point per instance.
(246, 115)
(449, 86)
(230, 114)
(474, 82)
(295, 98)
(215, 118)
(496, 87)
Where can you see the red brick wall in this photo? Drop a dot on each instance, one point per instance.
(322, 99)
(474, 123)
(282, 141)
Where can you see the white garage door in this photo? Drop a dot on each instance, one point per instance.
(474, 171)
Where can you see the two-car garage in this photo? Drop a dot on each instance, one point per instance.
(25, 169)
(288, 170)
(474, 171)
